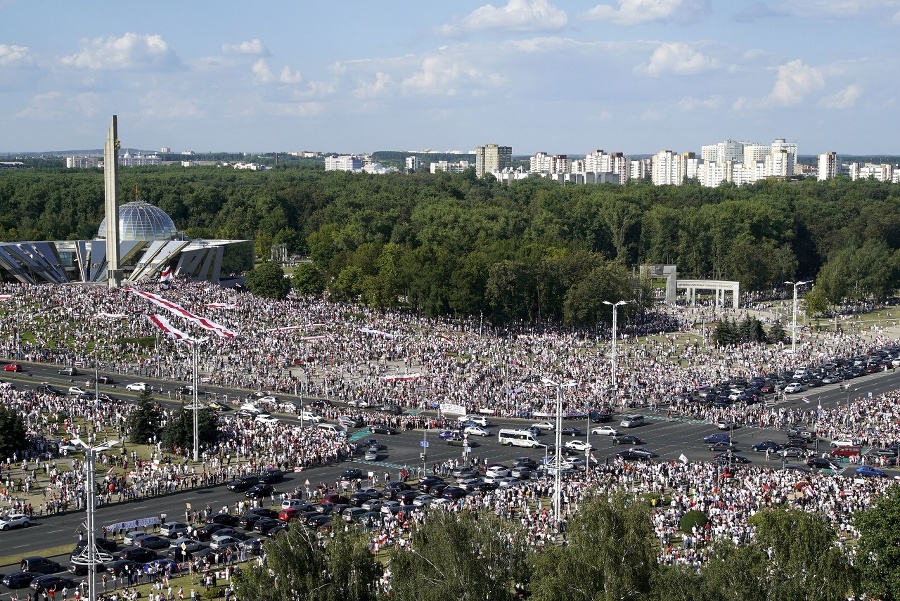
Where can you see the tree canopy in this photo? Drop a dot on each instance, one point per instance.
(533, 250)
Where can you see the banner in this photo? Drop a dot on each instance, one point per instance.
(166, 326)
(182, 312)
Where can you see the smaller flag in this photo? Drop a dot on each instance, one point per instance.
(5, 297)
(682, 458)
(166, 275)
(805, 399)
(166, 326)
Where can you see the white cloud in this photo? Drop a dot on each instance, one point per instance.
(448, 76)
(315, 89)
(795, 81)
(14, 55)
(844, 99)
(56, 104)
(650, 115)
(298, 109)
(131, 51)
(167, 107)
(635, 12)
(375, 88)
(254, 47)
(689, 103)
(675, 58)
(264, 74)
(517, 15)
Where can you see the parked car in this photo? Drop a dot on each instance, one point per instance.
(51, 581)
(19, 579)
(173, 529)
(138, 554)
(40, 565)
(152, 542)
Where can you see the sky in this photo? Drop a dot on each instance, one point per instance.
(632, 76)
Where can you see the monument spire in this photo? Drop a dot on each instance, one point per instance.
(111, 197)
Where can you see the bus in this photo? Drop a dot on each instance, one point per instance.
(520, 438)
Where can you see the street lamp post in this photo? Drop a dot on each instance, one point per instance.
(90, 555)
(794, 322)
(615, 309)
(195, 391)
(557, 476)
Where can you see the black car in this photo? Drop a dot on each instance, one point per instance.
(41, 565)
(821, 463)
(106, 380)
(205, 533)
(571, 431)
(104, 544)
(352, 474)
(264, 525)
(766, 445)
(483, 486)
(51, 581)
(358, 498)
(242, 484)
(121, 566)
(453, 493)
(726, 458)
(526, 462)
(427, 482)
(382, 429)
(406, 496)
(601, 417)
(629, 439)
(263, 512)
(392, 489)
(222, 518)
(138, 555)
(271, 476)
(260, 491)
(19, 579)
(637, 453)
(462, 442)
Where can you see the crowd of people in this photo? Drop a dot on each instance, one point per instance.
(318, 349)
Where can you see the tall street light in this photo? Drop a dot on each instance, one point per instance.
(615, 309)
(195, 385)
(90, 555)
(557, 476)
(794, 323)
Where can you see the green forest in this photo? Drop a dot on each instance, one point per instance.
(532, 251)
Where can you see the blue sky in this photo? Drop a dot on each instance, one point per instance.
(635, 76)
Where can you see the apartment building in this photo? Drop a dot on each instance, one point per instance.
(492, 157)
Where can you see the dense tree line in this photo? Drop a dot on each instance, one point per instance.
(534, 250)
(610, 553)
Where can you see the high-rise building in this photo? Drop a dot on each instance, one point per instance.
(829, 166)
(491, 157)
(413, 163)
(666, 168)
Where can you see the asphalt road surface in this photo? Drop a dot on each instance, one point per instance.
(669, 438)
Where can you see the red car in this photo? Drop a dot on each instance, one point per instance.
(291, 513)
(12, 367)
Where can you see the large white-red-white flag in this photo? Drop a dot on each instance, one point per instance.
(163, 323)
(166, 275)
(182, 312)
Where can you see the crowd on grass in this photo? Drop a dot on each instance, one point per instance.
(372, 358)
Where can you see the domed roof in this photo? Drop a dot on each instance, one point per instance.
(139, 220)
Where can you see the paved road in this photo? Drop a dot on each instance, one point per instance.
(670, 438)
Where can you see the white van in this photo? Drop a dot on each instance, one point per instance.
(331, 428)
(632, 421)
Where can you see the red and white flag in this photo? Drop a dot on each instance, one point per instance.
(166, 275)
(805, 399)
(163, 323)
(182, 312)
(5, 297)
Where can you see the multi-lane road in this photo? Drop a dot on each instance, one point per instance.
(671, 438)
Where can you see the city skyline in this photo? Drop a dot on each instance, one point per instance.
(631, 76)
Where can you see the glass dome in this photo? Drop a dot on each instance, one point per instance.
(139, 220)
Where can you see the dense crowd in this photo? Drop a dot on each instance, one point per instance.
(350, 353)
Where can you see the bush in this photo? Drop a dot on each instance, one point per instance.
(691, 519)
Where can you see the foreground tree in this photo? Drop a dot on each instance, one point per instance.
(267, 280)
(611, 555)
(460, 557)
(144, 422)
(879, 547)
(179, 430)
(299, 565)
(12, 432)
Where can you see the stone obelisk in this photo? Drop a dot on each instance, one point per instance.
(111, 196)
